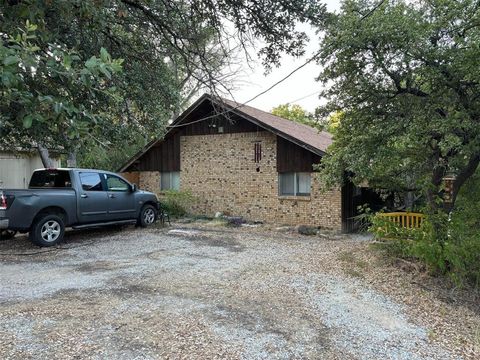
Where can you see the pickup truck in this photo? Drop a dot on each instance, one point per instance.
(76, 198)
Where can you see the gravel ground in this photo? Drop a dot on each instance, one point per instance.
(206, 291)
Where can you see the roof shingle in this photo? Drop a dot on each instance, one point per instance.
(319, 140)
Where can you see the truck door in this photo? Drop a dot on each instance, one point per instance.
(121, 199)
(93, 201)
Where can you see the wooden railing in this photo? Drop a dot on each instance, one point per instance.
(409, 220)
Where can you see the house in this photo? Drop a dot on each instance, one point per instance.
(242, 161)
(17, 166)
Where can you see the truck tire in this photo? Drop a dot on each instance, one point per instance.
(47, 230)
(148, 216)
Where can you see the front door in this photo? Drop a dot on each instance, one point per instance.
(121, 199)
(93, 198)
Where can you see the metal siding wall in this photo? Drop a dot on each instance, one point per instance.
(16, 170)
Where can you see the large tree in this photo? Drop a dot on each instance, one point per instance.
(60, 88)
(406, 77)
(295, 113)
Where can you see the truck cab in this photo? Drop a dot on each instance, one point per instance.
(77, 198)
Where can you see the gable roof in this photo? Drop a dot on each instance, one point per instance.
(318, 140)
(303, 135)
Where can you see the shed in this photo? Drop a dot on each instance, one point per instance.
(17, 166)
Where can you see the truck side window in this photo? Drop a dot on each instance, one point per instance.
(114, 183)
(91, 181)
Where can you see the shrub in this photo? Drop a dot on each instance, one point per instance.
(445, 246)
(175, 202)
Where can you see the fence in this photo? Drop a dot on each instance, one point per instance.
(409, 220)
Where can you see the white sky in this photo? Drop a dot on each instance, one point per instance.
(299, 85)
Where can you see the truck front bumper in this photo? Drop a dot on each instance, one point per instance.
(3, 223)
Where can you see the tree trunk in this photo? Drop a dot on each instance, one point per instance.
(460, 180)
(409, 200)
(45, 156)
(72, 159)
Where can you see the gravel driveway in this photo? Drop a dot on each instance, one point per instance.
(205, 292)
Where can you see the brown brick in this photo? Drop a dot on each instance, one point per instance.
(220, 172)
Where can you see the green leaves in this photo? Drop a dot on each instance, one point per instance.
(406, 80)
(53, 96)
(27, 121)
(295, 113)
(10, 60)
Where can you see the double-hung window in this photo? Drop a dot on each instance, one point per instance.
(170, 180)
(294, 184)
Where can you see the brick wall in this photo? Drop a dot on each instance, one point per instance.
(132, 177)
(220, 171)
(149, 181)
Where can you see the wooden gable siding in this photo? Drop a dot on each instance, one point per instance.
(220, 125)
(291, 157)
(164, 156)
(229, 124)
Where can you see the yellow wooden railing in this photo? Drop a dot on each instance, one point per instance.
(409, 220)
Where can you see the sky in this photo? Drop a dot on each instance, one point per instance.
(301, 88)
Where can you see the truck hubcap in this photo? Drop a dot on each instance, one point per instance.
(149, 216)
(50, 231)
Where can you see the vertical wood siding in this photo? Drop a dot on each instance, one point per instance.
(291, 157)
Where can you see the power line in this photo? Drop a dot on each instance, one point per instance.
(304, 97)
(253, 98)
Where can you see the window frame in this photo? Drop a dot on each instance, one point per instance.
(120, 179)
(170, 180)
(296, 192)
(102, 180)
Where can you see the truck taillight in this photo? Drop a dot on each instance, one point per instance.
(3, 201)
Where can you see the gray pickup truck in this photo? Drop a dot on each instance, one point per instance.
(77, 198)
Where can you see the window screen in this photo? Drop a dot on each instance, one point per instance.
(303, 184)
(294, 184)
(287, 183)
(170, 180)
(91, 181)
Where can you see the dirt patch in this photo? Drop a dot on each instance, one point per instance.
(213, 292)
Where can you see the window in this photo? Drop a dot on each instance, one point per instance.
(50, 179)
(170, 180)
(91, 181)
(294, 184)
(114, 183)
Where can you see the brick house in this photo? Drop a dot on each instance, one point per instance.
(243, 161)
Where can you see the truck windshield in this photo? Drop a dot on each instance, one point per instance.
(50, 179)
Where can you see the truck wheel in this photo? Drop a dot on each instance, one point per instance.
(47, 230)
(148, 216)
(7, 234)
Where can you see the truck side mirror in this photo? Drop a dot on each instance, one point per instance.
(133, 188)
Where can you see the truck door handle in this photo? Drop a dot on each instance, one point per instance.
(84, 196)
(111, 196)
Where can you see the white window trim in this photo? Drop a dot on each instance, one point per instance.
(295, 182)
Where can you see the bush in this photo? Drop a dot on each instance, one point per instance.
(175, 202)
(446, 246)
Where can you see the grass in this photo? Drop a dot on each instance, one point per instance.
(355, 267)
(350, 258)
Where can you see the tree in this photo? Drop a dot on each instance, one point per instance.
(168, 48)
(295, 113)
(405, 76)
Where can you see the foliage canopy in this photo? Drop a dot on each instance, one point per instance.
(87, 73)
(295, 113)
(406, 77)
